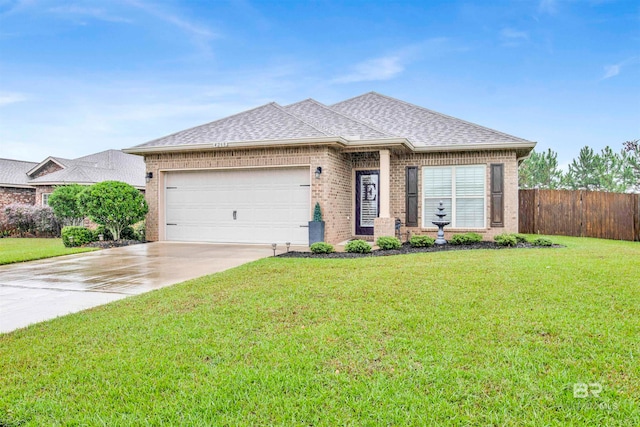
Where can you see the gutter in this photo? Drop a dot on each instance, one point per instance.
(340, 141)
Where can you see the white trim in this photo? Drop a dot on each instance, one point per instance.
(44, 162)
(453, 197)
(17, 186)
(42, 199)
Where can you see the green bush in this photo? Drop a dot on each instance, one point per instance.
(421, 241)
(317, 212)
(81, 236)
(113, 204)
(358, 246)
(520, 238)
(465, 239)
(64, 202)
(388, 242)
(322, 248)
(542, 241)
(127, 233)
(140, 231)
(506, 239)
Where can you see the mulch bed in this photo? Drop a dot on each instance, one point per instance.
(106, 244)
(407, 249)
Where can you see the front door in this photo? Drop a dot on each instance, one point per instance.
(367, 201)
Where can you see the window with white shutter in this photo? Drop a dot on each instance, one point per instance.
(462, 192)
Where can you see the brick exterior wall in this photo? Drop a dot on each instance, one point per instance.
(398, 190)
(40, 190)
(48, 168)
(334, 190)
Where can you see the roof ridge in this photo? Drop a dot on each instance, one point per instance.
(443, 115)
(301, 119)
(355, 119)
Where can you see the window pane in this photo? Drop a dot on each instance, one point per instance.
(470, 181)
(430, 208)
(436, 182)
(470, 213)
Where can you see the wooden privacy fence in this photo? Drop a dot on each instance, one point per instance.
(580, 213)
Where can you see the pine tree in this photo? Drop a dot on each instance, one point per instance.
(540, 170)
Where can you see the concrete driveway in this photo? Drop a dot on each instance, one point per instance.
(40, 290)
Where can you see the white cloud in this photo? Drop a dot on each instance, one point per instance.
(383, 68)
(615, 69)
(92, 12)
(548, 6)
(7, 98)
(190, 27)
(512, 37)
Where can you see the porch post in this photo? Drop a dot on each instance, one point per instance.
(384, 225)
(385, 183)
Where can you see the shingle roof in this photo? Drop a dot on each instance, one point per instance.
(421, 126)
(267, 122)
(110, 165)
(332, 122)
(14, 172)
(366, 117)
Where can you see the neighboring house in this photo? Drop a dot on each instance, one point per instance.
(32, 183)
(254, 177)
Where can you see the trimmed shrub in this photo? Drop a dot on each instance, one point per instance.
(321, 248)
(113, 204)
(465, 239)
(358, 247)
(81, 236)
(140, 231)
(520, 238)
(64, 202)
(542, 241)
(127, 233)
(317, 213)
(421, 241)
(388, 242)
(506, 239)
(31, 219)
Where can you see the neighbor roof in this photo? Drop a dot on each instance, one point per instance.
(370, 117)
(13, 173)
(110, 165)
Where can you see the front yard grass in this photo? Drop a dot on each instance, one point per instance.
(524, 337)
(19, 250)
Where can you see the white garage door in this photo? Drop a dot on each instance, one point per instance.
(238, 205)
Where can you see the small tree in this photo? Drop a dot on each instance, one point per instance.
(540, 170)
(317, 212)
(113, 204)
(64, 202)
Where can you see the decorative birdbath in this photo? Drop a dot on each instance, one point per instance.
(440, 223)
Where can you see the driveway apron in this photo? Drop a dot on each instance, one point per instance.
(40, 290)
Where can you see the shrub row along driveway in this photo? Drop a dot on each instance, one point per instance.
(40, 290)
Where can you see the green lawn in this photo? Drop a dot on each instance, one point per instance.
(19, 250)
(492, 337)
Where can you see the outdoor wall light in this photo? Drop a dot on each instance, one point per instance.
(148, 176)
(318, 172)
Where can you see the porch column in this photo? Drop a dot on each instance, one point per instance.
(385, 183)
(384, 225)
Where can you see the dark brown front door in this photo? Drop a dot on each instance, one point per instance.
(367, 201)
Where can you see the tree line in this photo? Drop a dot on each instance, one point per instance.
(608, 170)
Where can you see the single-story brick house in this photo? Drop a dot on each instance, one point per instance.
(255, 177)
(32, 183)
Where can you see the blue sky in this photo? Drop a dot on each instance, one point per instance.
(77, 77)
